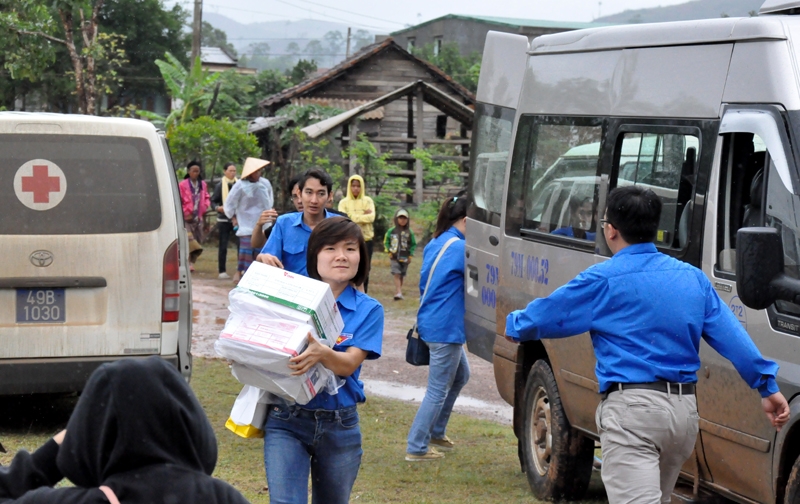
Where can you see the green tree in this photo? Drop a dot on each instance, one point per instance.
(196, 92)
(214, 37)
(150, 30)
(214, 142)
(301, 71)
(295, 153)
(463, 69)
(361, 39)
(30, 28)
(435, 174)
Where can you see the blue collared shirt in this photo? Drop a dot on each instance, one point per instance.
(441, 316)
(363, 328)
(289, 241)
(646, 313)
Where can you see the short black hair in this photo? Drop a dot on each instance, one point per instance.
(293, 182)
(318, 174)
(189, 165)
(330, 232)
(635, 212)
(452, 210)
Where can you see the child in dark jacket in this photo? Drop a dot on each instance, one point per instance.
(400, 244)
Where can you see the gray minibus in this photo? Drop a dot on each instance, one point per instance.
(707, 114)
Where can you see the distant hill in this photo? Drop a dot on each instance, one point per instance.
(279, 34)
(698, 9)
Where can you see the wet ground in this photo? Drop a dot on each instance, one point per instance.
(390, 376)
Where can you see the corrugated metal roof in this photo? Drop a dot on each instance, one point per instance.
(216, 56)
(506, 21)
(369, 51)
(439, 99)
(340, 103)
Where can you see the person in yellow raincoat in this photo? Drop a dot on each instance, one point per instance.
(360, 209)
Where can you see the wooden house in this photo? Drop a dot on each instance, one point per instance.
(370, 74)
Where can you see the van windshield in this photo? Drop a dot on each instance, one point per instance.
(74, 184)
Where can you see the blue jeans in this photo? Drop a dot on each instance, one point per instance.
(448, 373)
(326, 443)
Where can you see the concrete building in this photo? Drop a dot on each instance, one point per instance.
(469, 32)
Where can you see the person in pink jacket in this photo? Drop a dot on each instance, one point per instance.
(194, 202)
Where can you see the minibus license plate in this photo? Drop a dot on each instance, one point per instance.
(40, 306)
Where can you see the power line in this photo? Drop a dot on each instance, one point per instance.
(351, 12)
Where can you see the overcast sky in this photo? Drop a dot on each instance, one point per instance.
(391, 15)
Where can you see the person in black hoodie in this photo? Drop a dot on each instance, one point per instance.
(137, 431)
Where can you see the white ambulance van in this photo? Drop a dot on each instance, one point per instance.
(706, 113)
(93, 254)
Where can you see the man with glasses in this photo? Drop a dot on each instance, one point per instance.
(646, 313)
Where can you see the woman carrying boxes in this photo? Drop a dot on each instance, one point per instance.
(323, 437)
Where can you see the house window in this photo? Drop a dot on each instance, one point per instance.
(437, 46)
(441, 126)
(411, 44)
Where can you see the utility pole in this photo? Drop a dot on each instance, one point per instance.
(347, 52)
(197, 29)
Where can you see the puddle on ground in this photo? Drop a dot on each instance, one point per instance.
(502, 413)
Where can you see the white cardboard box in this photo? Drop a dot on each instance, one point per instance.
(261, 342)
(291, 296)
(299, 389)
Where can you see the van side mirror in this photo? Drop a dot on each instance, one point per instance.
(760, 280)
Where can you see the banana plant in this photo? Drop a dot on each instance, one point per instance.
(194, 93)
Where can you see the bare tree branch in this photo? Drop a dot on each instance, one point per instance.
(39, 34)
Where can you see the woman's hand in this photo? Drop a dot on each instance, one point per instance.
(270, 260)
(314, 352)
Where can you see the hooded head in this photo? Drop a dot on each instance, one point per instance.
(401, 212)
(351, 194)
(135, 413)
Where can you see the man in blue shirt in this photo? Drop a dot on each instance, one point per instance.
(646, 313)
(288, 242)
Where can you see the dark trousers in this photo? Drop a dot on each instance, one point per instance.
(370, 248)
(225, 235)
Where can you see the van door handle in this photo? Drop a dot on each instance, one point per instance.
(473, 274)
(493, 240)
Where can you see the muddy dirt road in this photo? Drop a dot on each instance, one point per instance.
(388, 376)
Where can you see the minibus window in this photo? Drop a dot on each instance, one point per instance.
(554, 181)
(490, 150)
(741, 191)
(664, 163)
(782, 208)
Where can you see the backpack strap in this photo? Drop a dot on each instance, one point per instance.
(110, 495)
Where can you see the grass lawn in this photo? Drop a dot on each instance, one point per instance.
(483, 468)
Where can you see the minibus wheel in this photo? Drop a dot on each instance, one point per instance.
(558, 459)
(792, 493)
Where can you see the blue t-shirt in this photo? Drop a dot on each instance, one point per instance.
(289, 241)
(646, 312)
(569, 231)
(441, 315)
(363, 328)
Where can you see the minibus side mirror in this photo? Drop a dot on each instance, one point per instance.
(760, 280)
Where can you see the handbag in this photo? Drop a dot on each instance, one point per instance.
(417, 352)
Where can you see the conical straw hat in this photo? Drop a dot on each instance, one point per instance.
(252, 165)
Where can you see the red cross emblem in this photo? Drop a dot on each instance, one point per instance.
(41, 184)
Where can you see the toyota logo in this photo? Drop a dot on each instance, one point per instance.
(42, 258)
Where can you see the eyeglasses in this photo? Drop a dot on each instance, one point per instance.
(603, 223)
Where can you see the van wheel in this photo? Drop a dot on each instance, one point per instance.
(558, 459)
(792, 493)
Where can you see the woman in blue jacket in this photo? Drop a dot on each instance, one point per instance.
(323, 437)
(440, 323)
